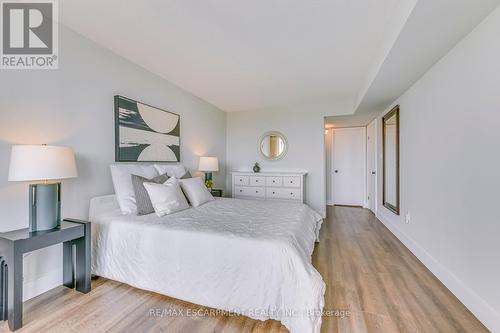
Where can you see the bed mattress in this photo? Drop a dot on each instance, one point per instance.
(243, 256)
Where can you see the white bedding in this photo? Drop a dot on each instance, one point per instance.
(244, 256)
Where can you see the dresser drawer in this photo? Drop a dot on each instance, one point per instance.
(249, 192)
(257, 181)
(291, 194)
(291, 181)
(273, 193)
(241, 180)
(274, 181)
(283, 194)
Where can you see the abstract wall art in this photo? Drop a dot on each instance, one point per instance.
(144, 133)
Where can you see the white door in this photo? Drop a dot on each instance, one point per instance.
(371, 165)
(348, 166)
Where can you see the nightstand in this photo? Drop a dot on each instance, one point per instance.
(71, 233)
(217, 192)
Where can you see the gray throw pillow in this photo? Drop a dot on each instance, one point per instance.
(144, 205)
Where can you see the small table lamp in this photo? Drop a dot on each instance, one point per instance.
(208, 165)
(42, 163)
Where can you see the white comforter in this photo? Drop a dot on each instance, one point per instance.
(248, 257)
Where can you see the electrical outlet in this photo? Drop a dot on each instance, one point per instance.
(407, 218)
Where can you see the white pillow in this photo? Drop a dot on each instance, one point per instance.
(176, 170)
(196, 191)
(167, 198)
(122, 181)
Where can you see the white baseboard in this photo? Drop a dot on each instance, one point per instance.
(41, 284)
(478, 306)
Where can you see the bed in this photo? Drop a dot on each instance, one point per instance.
(242, 256)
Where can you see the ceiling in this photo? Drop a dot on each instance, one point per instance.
(243, 55)
(282, 54)
(433, 28)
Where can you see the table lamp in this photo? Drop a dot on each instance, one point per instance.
(42, 163)
(208, 165)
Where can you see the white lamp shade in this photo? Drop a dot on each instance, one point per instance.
(37, 162)
(208, 164)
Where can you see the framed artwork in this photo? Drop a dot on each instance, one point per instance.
(144, 133)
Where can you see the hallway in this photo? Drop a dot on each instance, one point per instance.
(386, 289)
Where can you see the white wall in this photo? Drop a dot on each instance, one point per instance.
(74, 106)
(450, 164)
(304, 129)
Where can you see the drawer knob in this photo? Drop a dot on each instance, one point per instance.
(256, 180)
(291, 181)
(241, 180)
(274, 192)
(241, 190)
(274, 181)
(291, 193)
(256, 191)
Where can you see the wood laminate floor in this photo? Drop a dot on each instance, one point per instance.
(368, 273)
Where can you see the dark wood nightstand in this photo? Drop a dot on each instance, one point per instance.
(15, 243)
(217, 192)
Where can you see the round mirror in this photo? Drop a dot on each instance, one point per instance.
(273, 146)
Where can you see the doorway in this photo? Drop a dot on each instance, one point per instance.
(371, 166)
(348, 166)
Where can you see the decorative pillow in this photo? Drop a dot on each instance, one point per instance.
(166, 198)
(176, 170)
(144, 205)
(122, 181)
(196, 191)
(187, 175)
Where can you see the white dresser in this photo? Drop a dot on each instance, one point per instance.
(268, 185)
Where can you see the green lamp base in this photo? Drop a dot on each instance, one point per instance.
(45, 206)
(209, 183)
